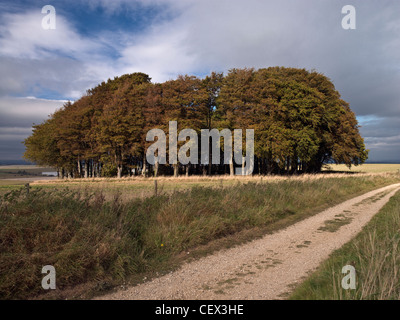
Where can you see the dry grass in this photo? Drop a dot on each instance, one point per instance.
(100, 236)
(139, 187)
(365, 168)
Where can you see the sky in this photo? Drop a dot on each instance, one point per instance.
(95, 40)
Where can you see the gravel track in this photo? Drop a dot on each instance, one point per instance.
(265, 268)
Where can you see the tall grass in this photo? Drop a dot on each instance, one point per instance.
(91, 238)
(81, 235)
(375, 254)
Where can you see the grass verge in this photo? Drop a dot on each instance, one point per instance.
(375, 255)
(105, 242)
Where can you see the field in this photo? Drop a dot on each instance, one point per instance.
(13, 176)
(367, 168)
(105, 232)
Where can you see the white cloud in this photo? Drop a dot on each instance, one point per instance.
(203, 36)
(22, 36)
(162, 56)
(38, 61)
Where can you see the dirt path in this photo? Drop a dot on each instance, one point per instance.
(267, 267)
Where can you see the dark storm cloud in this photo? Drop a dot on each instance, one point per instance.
(50, 77)
(11, 150)
(17, 117)
(204, 36)
(23, 112)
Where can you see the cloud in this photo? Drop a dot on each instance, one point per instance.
(23, 112)
(17, 117)
(22, 36)
(11, 149)
(362, 63)
(381, 137)
(384, 149)
(379, 127)
(57, 76)
(14, 133)
(59, 63)
(161, 56)
(196, 37)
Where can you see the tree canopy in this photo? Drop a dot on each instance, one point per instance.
(299, 120)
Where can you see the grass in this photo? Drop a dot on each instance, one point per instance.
(335, 224)
(13, 176)
(375, 254)
(366, 168)
(15, 172)
(138, 187)
(6, 184)
(101, 239)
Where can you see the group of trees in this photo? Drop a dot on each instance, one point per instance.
(300, 122)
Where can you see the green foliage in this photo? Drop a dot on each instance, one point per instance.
(109, 169)
(300, 122)
(299, 119)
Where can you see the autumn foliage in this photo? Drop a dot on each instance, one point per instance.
(300, 122)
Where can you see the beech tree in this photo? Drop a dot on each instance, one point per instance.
(297, 116)
(299, 120)
(184, 100)
(119, 126)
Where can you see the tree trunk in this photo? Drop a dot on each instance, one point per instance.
(176, 171)
(119, 172)
(295, 164)
(144, 166)
(288, 165)
(209, 156)
(91, 168)
(97, 170)
(79, 168)
(231, 167)
(156, 165)
(86, 169)
(93, 171)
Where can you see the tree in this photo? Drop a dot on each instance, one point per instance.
(236, 103)
(184, 100)
(299, 119)
(42, 147)
(119, 127)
